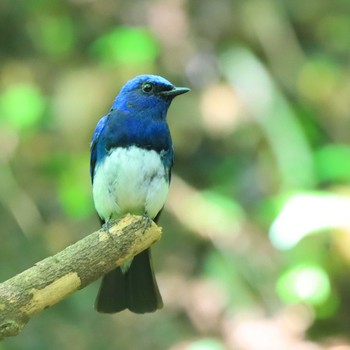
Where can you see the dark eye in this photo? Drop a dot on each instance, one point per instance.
(147, 87)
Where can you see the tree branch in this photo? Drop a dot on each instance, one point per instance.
(54, 278)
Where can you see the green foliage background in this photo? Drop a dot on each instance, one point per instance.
(255, 252)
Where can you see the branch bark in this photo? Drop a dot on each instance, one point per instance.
(54, 278)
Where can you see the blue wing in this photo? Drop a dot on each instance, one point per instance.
(93, 146)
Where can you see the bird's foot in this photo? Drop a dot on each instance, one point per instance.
(108, 225)
(148, 222)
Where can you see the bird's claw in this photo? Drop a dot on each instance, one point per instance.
(108, 225)
(148, 222)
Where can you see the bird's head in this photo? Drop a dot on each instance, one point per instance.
(150, 94)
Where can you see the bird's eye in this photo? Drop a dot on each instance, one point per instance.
(147, 87)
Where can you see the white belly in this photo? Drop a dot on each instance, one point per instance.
(130, 180)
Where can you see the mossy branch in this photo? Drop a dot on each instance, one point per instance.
(54, 278)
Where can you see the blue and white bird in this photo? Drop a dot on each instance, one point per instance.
(130, 167)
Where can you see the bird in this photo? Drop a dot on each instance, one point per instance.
(131, 157)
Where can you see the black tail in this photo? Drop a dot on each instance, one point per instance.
(135, 289)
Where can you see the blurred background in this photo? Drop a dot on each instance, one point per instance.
(256, 247)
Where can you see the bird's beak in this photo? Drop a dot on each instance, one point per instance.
(175, 91)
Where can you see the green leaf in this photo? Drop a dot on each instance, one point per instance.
(22, 106)
(333, 163)
(206, 344)
(307, 283)
(75, 189)
(126, 45)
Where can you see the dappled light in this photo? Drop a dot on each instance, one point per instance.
(255, 252)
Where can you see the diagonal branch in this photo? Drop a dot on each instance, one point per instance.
(54, 278)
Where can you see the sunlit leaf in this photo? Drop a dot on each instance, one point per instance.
(75, 189)
(22, 106)
(333, 163)
(308, 213)
(126, 45)
(307, 283)
(206, 344)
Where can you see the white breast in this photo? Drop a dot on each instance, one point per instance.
(130, 180)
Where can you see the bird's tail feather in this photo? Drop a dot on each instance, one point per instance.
(143, 292)
(135, 290)
(112, 295)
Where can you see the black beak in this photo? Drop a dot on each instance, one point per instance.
(175, 91)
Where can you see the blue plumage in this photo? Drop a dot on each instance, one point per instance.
(130, 167)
